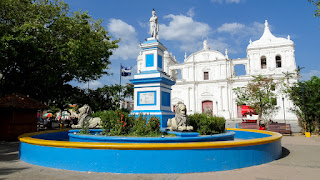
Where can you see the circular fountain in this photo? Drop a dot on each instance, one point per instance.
(53, 149)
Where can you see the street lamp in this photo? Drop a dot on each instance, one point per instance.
(284, 111)
(217, 108)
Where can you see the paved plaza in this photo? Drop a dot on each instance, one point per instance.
(301, 160)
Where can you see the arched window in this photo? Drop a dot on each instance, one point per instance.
(205, 75)
(278, 61)
(263, 62)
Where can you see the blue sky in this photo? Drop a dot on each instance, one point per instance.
(184, 23)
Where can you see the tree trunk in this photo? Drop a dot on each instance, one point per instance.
(259, 116)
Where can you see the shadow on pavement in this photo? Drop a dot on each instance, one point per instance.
(285, 152)
(6, 171)
(9, 151)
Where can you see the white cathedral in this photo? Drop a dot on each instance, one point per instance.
(208, 77)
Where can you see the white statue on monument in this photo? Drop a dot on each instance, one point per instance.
(154, 27)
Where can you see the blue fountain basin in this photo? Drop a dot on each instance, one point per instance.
(74, 136)
(51, 149)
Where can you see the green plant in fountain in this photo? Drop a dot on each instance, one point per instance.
(153, 126)
(85, 126)
(120, 123)
(207, 125)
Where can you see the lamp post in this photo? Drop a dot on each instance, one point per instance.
(217, 108)
(284, 111)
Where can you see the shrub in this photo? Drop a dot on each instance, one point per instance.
(207, 125)
(119, 123)
(139, 126)
(153, 126)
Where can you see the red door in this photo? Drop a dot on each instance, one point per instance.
(206, 104)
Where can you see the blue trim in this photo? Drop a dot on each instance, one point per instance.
(181, 137)
(154, 98)
(153, 48)
(151, 111)
(149, 60)
(152, 80)
(159, 61)
(149, 72)
(193, 134)
(150, 41)
(165, 99)
(154, 86)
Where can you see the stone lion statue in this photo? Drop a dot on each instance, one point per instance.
(180, 121)
(85, 116)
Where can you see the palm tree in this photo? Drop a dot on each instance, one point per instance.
(287, 75)
(298, 71)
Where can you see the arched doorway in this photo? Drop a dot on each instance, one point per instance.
(207, 104)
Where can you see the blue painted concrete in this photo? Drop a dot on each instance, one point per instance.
(195, 134)
(165, 99)
(152, 80)
(149, 60)
(148, 72)
(150, 41)
(184, 137)
(152, 86)
(249, 135)
(150, 161)
(153, 48)
(159, 61)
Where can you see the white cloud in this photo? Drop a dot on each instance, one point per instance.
(307, 75)
(253, 30)
(128, 46)
(92, 85)
(227, 1)
(191, 12)
(184, 30)
(231, 28)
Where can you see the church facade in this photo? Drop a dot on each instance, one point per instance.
(208, 77)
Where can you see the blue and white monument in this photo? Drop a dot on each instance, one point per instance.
(152, 86)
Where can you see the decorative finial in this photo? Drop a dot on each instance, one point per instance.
(154, 26)
(266, 23)
(226, 53)
(185, 55)
(288, 37)
(250, 41)
(205, 45)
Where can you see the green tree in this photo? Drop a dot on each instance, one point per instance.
(43, 46)
(258, 94)
(305, 95)
(316, 3)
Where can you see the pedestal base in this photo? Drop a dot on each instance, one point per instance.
(162, 115)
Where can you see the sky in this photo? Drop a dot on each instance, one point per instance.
(184, 24)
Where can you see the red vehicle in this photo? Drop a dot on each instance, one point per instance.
(247, 113)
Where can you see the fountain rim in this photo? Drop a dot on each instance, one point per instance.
(26, 138)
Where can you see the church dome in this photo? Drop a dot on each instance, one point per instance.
(205, 54)
(269, 40)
